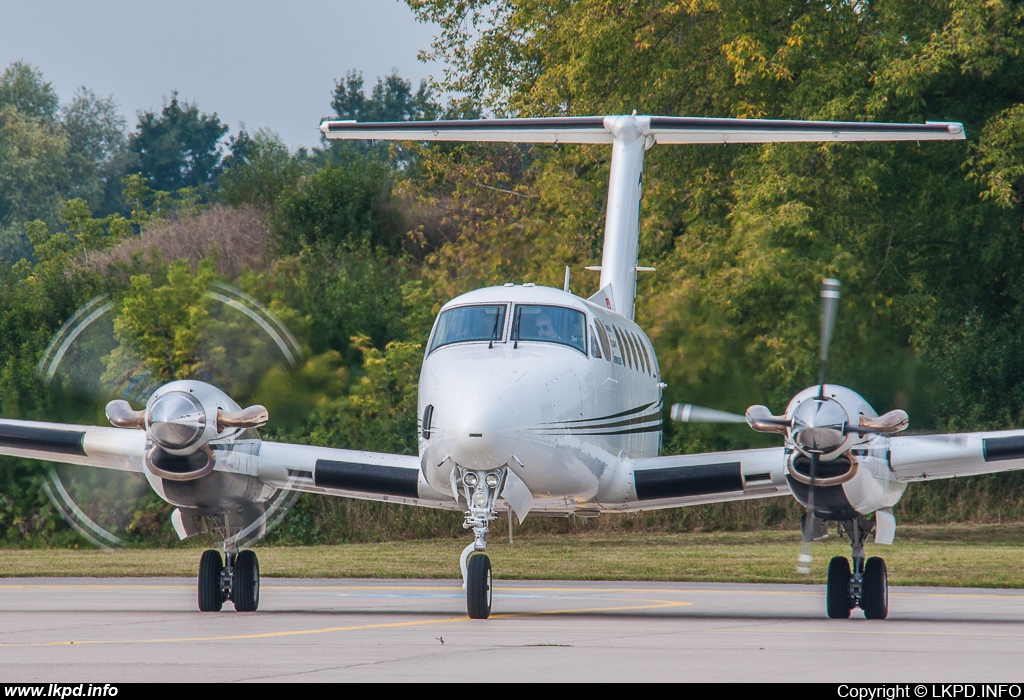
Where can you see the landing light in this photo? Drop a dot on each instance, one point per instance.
(480, 498)
(470, 479)
(491, 480)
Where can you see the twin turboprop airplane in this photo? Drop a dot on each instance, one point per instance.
(535, 400)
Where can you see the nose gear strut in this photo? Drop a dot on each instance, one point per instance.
(480, 490)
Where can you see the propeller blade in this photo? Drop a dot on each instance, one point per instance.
(804, 559)
(761, 419)
(252, 417)
(829, 310)
(894, 421)
(688, 413)
(121, 415)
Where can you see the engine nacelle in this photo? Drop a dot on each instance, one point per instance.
(181, 418)
(834, 463)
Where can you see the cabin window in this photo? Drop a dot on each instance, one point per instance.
(470, 323)
(650, 363)
(632, 349)
(624, 347)
(615, 346)
(641, 355)
(603, 335)
(550, 324)
(595, 347)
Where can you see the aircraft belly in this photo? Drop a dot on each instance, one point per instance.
(214, 493)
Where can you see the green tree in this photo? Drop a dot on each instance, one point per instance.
(162, 324)
(260, 172)
(344, 202)
(98, 153)
(392, 99)
(33, 161)
(179, 147)
(379, 413)
(23, 88)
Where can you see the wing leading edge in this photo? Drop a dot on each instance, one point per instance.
(358, 474)
(87, 445)
(930, 457)
(695, 479)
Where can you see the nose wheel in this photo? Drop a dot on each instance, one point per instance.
(237, 579)
(478, 587)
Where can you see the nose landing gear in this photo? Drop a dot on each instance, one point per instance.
(480, 489)
(866, 585)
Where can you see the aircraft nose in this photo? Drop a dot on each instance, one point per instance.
(482, 433)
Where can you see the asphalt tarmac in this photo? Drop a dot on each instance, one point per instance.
(109, 630)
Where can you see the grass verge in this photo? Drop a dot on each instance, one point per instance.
(958, 555)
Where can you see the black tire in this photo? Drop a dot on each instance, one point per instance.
(245, 584)
(478, 587)
(874, 597)
(211, 598)
(837, 590)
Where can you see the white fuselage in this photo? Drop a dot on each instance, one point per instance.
(558, 413)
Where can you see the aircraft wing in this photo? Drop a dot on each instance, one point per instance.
(928, 457)
(373, 476)
(351, 473)
(110, 448)
(715, 477)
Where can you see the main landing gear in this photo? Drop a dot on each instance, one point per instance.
(480, 490)
(237, 579)
(866, 585)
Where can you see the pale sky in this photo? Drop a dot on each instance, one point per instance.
(267, 64)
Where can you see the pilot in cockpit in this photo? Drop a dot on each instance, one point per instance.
(545, 329)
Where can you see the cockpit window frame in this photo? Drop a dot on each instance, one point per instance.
(502, 338)
(514, 330)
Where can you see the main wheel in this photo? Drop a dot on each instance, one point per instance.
(874, 598)
(478, 587)
(211, 566)
(245, 586)
(837, 590)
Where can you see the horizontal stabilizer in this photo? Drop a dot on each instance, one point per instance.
(669, 130)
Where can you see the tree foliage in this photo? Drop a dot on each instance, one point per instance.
(346, 202)
(97, 149)
(260, 172)
(391, 100)
(179, 147)
(22, 88)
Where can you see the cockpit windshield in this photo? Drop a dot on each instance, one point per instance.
(469, 323)
(551, 324)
